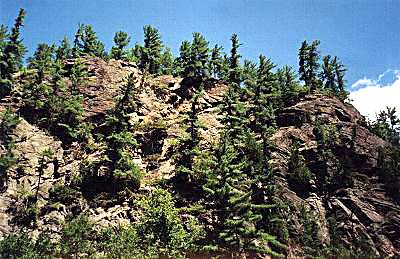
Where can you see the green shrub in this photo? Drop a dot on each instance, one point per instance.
(161, 230)
(127, 173)
(75, 237)
(299, 175)
(63, 193)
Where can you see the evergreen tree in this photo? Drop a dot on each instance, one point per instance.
(167, 62)
(249, 72)
(87, 43)
(8, 123)
(299, 174)
(308, 64)
(238, 186)
(14, 49)
(121, 40)
(216, 60)
(234, 62)
(339, 73)
(198, 57)
(286, 79)
(188, 148)
(43, 58)
(135, 54)
(12, 52)
(124, 172)
(184, 58)
(3, 41)
(64, 51)
(328, 74)
(313, 64)
(151, 51)
(263, 94)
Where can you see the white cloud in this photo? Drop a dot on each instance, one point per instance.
(361, 83)
(370, 97)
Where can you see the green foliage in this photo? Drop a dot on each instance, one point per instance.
(17, 246)
(309, 238)
(126, 172)
(53, 105)
(8, 123)
(332, 76)
(42, 58)
(64, 51)
(87, 43)
(184, 58)
(11, 53)
(76, 237)
(389, 168)
(288, 85)
(151, 52)
(197, 66)
(216, 62)
(387, 126)
(121, 140)
(234, 62)
(188, 147)
(299, 174)
(167, 62)
(194, 58)
(161, 230)
(308, 64)
(121, 40)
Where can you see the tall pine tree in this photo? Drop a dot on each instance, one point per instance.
(151, 52)
(121, 40)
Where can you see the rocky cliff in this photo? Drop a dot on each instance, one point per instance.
(362, 212)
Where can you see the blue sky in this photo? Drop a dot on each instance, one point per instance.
(365, 34)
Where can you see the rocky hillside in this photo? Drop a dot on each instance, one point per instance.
(359, 213)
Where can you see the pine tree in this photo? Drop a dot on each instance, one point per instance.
(64, 51)
(302, 62)
(151, 51)
(249, 73)
(340, 82)
(263, 94)
(238, 186)
(289, 86)
(313, 64)
(87, 43)
(199, 57)
(124, 173)
(3, 42)
(8, 123)
(135, 54)
(308, 64)
(14, 49)
(188, 148)
(234, 62)
(216, 60)
(184, 58)
(121, 40)
(167, 62)
(43, 58)
(328, 74)
(12, 52)
(299, 174)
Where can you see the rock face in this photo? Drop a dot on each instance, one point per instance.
(363, 212)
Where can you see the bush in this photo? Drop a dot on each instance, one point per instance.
(299, 175)
(128, 175)
(75, 237)
(161, 230)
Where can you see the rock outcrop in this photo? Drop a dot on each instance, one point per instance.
(363, 212)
